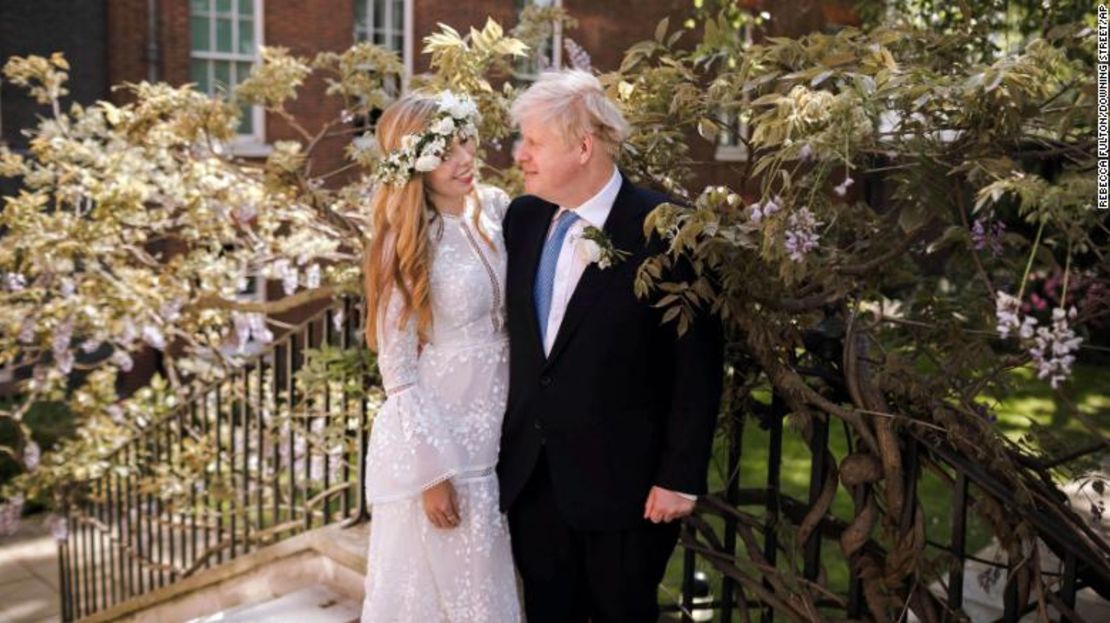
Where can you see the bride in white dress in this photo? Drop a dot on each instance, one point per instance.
(439, 546)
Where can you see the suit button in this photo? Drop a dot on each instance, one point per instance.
(545, 381)
(538, 425)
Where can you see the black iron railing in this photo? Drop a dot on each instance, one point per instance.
(265, 455)
(273, 455)
(745, 524)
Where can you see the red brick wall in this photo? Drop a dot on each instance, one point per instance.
(127, 43)
(173, 22)
(307, 27)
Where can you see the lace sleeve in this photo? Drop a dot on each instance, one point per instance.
(411, 447)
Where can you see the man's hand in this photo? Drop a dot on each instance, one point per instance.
(666, 506)
(441, 505)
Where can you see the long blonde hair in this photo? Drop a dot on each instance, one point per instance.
(398, 257)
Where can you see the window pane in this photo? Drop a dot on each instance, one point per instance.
(223, 6)
(222, 76)
(246, 7)
(379, 13)
(398, 15)
(242, 71)
(246, 36)
(246, 121)
(223, 35)
(360, 15)
(198, 73)
(198, 31)
(198, 6)
(398, 43)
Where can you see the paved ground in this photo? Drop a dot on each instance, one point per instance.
(29, 575)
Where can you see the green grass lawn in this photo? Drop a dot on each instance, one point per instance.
(1032, 414)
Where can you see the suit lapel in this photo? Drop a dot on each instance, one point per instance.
(621, 226)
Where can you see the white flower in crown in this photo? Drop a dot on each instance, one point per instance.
(419, 153)
(427, 162)
(457, 107)
(444, 126)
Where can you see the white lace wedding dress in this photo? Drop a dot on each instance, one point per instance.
(442, 419)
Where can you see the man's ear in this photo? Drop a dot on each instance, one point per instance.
(586, 148)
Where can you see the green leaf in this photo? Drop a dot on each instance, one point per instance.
(661, 29)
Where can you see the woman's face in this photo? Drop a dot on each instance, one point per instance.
(454, 177)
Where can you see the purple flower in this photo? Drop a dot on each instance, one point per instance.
(15, 282)
(987, 234)
(842, 188)
(801, 234)
(1053, 349)
(1007, 310)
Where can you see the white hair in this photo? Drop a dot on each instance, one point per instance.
(574, 101)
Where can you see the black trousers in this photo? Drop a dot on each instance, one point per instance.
(574, 576)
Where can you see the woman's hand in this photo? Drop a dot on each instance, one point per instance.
(441, 505)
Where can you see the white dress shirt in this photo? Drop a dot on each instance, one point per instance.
(570, 265)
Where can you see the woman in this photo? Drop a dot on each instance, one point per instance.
(439, 546)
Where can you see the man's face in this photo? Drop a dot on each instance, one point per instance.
(549, 162)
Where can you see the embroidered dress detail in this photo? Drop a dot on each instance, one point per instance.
(444, 422)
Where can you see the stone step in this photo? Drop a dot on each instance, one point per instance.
(315, 604)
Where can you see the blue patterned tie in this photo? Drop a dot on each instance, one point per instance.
(545, 274)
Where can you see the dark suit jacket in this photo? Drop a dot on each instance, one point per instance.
(621, 404)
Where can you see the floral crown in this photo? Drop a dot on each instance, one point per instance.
(419, 153)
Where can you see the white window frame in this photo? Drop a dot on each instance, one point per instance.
(364, 32)
(253, 144)
(732, 149)
(556, 43)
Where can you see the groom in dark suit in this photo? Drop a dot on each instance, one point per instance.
(610, 418)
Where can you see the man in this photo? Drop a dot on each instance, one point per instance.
(610, 417)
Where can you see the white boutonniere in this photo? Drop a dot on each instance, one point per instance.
(594, 247)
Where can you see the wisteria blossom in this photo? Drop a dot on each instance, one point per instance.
(1053, 348)
(801, 235)
(15, 282)
(1007, 310)
(987, 234)
(842, 188)
(758, 211)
